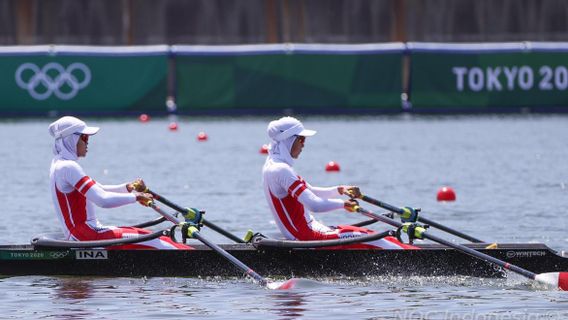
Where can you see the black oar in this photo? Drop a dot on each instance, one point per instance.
(205, 222)
(423, 220)
(555, 279)
(193, 232)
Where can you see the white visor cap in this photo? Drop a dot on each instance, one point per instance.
(67, 126)
(286, 127)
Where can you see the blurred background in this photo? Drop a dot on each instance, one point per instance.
(259, 57)
(143, 22)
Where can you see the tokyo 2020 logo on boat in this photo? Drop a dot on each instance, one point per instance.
(54, 79)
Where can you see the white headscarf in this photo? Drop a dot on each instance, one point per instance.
(67, 131)
(283, 133)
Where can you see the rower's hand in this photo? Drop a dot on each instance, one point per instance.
(350, 205)
(137, 185)
(350, 191)
(144, 198)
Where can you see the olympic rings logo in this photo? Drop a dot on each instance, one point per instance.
(52, 78)
(59, 255)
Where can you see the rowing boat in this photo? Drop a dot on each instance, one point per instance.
(51, 254)
(432, 260)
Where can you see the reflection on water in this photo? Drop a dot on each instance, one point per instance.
(237, 298)
(73, 290)
(288, 305)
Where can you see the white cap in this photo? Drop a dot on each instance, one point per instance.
(286, 127)
(67, 126)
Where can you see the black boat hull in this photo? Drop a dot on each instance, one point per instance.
(432, 260)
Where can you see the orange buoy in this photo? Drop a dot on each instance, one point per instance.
(446, 194)
(202, 136)
(173, 126)
(332, 166)
(263, 149)
(144, 118)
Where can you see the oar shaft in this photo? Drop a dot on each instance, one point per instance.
(483, 256)
(456, 246)
(422, 219)
(231, 259)
(251, 273)
(382, 204)
(205, 222)
(449, 230)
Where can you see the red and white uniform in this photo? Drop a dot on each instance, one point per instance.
(74, 195)
(288, 196)
(291, 199)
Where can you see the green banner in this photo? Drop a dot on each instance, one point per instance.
(487, 78)
(304, 79)
(91, 80)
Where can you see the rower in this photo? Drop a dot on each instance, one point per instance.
(74, 193)
(289, 196)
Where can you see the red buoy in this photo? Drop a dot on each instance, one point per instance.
(202, 136)
(173, 126)
(332, 166)
(144, 118)
(446, 194)
(263, 149)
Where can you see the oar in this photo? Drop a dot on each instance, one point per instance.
(205, 222)
(422, 219)
(555, 279)
(193, 232)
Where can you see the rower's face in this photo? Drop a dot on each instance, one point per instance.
(297, 146)
(82, 145)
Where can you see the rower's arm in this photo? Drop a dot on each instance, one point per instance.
(108, 199)
(324, 192)
(72, 174)
(317, 204)
(120, 188)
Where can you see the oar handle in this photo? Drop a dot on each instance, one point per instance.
(422, 219)
(205, 222)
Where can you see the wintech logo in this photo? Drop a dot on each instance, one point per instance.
(91, 254)
(525, 254)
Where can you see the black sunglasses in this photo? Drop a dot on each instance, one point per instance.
(84, 137)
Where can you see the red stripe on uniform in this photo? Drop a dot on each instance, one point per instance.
(294, 186)
(87, 187)
(63, 205)
(81, 182)
(278, 206)
(78, 206)
(299, 191)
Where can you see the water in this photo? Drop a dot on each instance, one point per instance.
(509, 173)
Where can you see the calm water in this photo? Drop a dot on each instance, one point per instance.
(510, 175)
